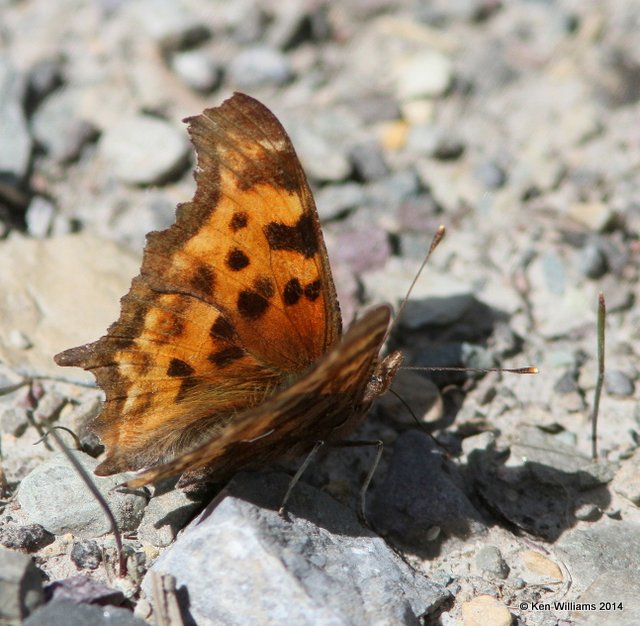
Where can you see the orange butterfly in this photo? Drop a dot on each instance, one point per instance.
(228, 351)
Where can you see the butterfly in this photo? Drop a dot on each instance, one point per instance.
(229, 352)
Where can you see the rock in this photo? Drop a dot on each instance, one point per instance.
(617, 383)
(165, 515)
(596, 216)
(259, 66)
(332, 200)
(418, 493)
(27, 538)
(44, 76)
(86, 554)
(591, 261)
(485, 611)
(39, 217)
(69, 614)
(20, 586)
(321, 567)
(627, 480)
(16, 144)
(368, 161)
(362, 249)
(618, 592)
(196, 69)
(540, 565)
(58, 125)
(83, 590)
(611, 547)
(170, 24)
(490, 174)
(144, 150)
(77, 280)
(489, 559)
(54, 496)
(426, 74)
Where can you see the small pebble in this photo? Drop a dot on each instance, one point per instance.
(617, 383)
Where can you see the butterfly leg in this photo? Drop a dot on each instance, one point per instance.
(282, 511)
(362, 511)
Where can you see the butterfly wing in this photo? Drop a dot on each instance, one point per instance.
(325, 404)
(232, 301)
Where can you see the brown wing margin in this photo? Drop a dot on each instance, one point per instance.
(329, 398)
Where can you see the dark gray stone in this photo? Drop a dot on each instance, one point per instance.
(28, 538)
(68, 614)
(419, 493)
(86, 554)
(320, 568)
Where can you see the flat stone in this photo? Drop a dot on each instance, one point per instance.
(320, 568)
(54, 496)
(485, 611)
(77, 281)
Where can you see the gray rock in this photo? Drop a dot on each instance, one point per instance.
(54, 496)
(419, 493)
(319, 568)
(196, 69)
(39, 217)
(591, 262)
(144, 150)
(69, 614)
(20, 586)
(170, 24)
(16, 144)
(333, 200)
(86, 554)
(44, 76)
(618, 591)
(489, 559)
(490, 174)
(59, 127)
(165, 515)
(437, 311)
(617, 383)
(608, 547)
(259, 66)
(368, 161)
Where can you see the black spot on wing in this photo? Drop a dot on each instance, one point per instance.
(301, 237)
(203, 280)
(237, 260)
(223, 329)
(179, 368)
(226, 356)
(292, 292)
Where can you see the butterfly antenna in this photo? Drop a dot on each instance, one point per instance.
(437, 238)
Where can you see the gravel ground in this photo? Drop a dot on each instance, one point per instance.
(515, 124)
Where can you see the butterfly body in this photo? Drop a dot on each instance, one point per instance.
(228, 352)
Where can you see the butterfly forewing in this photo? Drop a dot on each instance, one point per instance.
(233, 301)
